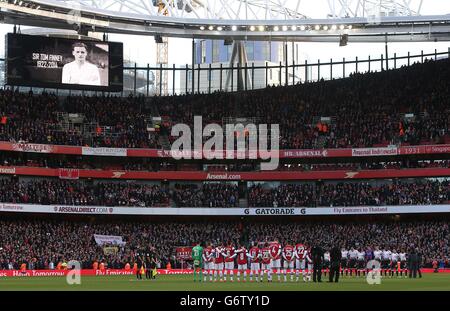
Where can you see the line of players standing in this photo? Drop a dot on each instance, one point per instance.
(219, 261)
(354, 261)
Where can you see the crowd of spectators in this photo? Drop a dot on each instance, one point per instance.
(284, 195)
(41, 244)
(107, 121)
(364, 165)
(144, 194)
(421, 192)
(64, 192)
(407, 105)
(398, 193)
(67, 192)
(364, 110)
(209, 195)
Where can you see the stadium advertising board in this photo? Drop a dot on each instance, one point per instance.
(110, 152)
(284, 154)
(370, 152)
(198, 211)
(112, 272)
(56, 273)
(184, 253)
(52, 62)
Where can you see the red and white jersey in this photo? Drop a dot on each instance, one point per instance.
(266, 258)
(300, 250)
(218, 257)
(275, 251)
(241, 256)
(288, 252)
(307, 255)
(229, 252)
(255, 252)
(208, 254)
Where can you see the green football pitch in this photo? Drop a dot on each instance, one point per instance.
(431, 282)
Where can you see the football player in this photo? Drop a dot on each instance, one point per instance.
(255, 267)
(208, 263)
(266, 260)
(289, 256)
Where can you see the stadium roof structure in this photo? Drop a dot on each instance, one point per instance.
(275, 20)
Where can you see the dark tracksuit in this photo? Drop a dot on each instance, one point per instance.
(335, 256)
(317, 258)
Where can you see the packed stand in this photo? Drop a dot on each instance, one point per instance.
(284, 195)
(41, 244)
(208, 195)
(422, 192)
(364, 110)
(131, 194)
(143, 194)
(408, 105)
(112, 121)
(82, 193)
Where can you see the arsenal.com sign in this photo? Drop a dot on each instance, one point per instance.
(223, 176)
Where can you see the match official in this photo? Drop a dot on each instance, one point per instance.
(140, 266)
(317, 258)
(413, 263)
(148, 269)
(419, 263)
(335, 255)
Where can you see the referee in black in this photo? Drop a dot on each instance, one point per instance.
(419, 262)
(148, 264)
(140, 264)
(317, 258)
(335, 258)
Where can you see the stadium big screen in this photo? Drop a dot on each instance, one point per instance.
(64, 63)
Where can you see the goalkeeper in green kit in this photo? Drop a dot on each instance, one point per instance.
(197, 257)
